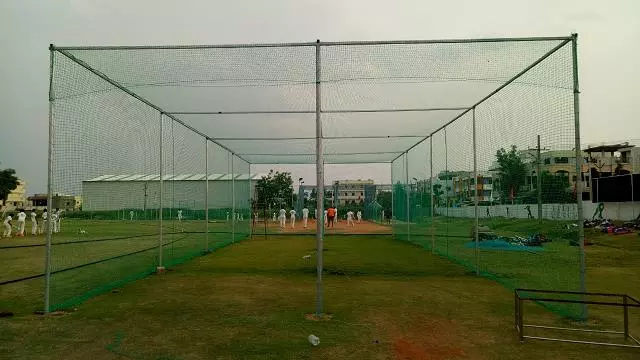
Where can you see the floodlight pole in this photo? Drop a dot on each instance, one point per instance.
(320, 190)
(433, 205)
(475, 184)
(576, 114)
(206, 194)
(47, 260)
(160, 267)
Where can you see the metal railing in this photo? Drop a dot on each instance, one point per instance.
(547, 296)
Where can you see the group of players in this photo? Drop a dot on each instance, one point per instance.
(36, 227)
(330, 217)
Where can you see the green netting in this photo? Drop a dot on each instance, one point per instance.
(201, 116)
(510, 248)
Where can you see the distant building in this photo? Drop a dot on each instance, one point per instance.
(59, 201)
(350, 191)
(465, 187)
(17, 197)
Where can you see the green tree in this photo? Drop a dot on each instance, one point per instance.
(512, 172)
(555, 189)
(8, 182)
(437, 193)
(275, 189)
(384, 199)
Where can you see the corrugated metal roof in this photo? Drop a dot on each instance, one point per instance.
(172, 177)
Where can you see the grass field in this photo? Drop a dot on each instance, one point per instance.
(389, 300)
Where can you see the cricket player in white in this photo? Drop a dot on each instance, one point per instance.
(179, 215)
(59, 220)
(22, 219)
(131, 215)
(282, 216)
(305, 216)
(325, 217)
(293, 218)
(54, 221)
(7, 226)
(34, 223)
(227, 216)
(274, 217)
(359, 216)
(43, 228)
(350, 218)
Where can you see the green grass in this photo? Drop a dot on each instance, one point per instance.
(248, 301)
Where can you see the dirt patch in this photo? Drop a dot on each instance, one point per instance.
(341, 227)
(424, 338)
(314, 317)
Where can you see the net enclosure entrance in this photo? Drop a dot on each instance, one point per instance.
(157, 143)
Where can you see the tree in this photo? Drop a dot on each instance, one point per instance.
(512, 172)
(275, 189)
(437, 193)
(555, 189)
(384, 199)
(8, 182)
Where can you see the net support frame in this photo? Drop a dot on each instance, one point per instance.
(433, 205)
(406, 173)
(47, 261)
(320, 191)
(233, 201)
(160, 266)
(576, 114)
(475, 198)
(206, 195)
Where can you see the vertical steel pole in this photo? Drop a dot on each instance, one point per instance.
(233, 201)
(433, 205)
(633, 202)
(475, 182)
(446, 191)
(626, 316)
(393, 204)
(406, 172)
(47, 260)
(206, 194)
(520, 320)
(320, 192)
(539, 181)
(576, 114)
(161, 191)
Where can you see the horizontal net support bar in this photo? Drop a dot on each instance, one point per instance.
(334, 43)
(342, 111)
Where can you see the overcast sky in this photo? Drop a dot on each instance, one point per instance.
(609, 50)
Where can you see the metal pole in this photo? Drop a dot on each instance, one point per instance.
(626, 317)
(233, 201)
(539, 181)
(446, 191)
(47, 260)
(576, 113)
(161, 191)
(433, 205)
(320, 190)
(393, 204)
(406, 172)
(206, 194)
(520, 320)
(633, 203)
(475, 201)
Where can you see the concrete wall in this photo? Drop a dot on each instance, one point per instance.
(616, 211)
